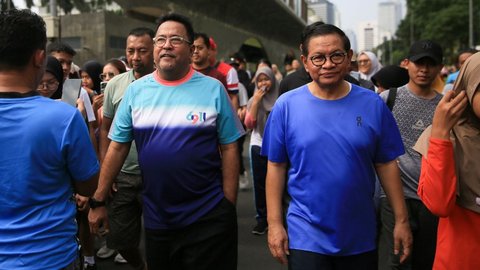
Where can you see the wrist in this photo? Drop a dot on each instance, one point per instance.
(94, 203)
(401, 220)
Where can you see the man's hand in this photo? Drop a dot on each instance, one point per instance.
(278, 243)
(82, 203)
(98, 220)
(402, 240)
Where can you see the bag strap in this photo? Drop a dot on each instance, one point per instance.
(392, 95)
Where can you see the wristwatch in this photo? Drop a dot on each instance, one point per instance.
(94, 203)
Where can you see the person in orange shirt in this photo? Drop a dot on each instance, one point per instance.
(450, 176)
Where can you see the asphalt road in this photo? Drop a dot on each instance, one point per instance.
(253, 252)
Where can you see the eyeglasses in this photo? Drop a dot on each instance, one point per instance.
(175, 41)
(336, 58)
(110, 75)
(363, 62)
(50, 85)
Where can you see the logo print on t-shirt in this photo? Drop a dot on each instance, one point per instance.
(419, 125)
(195, 117)
(359, 121)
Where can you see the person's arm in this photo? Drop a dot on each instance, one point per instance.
(97, 103)
(234, 100)
(241, 112)
(252, 110)
(437, 185)
(230, 169)
(389, 176)
(277, 235)
(93, 138)
(114, 159)
(104, 141)
(86, 188)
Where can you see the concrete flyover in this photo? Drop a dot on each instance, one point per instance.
(259, 28)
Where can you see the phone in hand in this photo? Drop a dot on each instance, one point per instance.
(103, 85)
(71, 91)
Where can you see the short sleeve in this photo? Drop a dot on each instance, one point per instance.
(108, 107)
(242, 95)
(122, 128)
(390, 144)
(274, 139)
(229, 128)
(232, 81)
(82, 162)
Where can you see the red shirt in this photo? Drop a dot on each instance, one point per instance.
(214, 73)
(458, 237)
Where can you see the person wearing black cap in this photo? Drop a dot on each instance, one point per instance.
(413, 110)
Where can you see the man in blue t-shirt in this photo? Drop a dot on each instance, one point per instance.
(46, 155)
(335, 137)
(185, 130)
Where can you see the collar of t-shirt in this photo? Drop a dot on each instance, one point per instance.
(174, 83)
(18, 95)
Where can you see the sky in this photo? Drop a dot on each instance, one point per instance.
(353, 12)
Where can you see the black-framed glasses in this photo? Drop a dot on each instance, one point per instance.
(50, 85)
(103, 76)
(336, 58)
(175, 41)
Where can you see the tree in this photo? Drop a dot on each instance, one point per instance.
(444, 21)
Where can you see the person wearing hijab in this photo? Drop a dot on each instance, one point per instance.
(258, 107)
(51, 84)
(90, 75)
(450, 176)
(368, 65)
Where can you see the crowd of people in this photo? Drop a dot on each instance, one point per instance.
(354, 165)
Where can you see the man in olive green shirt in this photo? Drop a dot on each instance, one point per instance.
(125, 207)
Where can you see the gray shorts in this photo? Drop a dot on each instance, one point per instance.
(125, 213)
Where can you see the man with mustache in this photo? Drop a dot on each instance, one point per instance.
(185, 130)
(125, 207)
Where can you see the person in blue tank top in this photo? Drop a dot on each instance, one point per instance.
(45, 154)
(332, 138)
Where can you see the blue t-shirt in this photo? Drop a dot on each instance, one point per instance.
(177, 127)
(44, 146)
(332, 146)
(452, 77)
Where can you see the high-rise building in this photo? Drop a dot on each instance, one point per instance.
(389, 17)
(323, 10)
(353, 39)
(367, 36)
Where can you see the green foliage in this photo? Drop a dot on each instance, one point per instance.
(444, 21)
